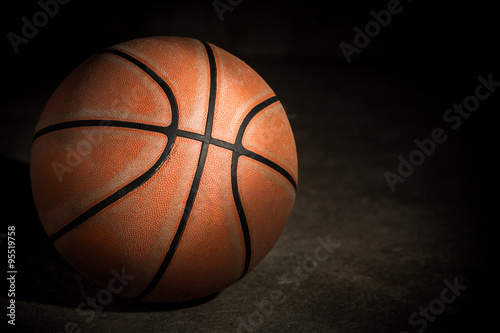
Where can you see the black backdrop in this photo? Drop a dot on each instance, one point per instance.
(442, 45)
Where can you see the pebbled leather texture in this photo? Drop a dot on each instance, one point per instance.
(173, 188)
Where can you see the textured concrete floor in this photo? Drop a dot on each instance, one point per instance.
(394, 253)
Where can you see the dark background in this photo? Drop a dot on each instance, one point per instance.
(351, 121)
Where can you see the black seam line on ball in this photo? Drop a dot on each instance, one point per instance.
(196, 180)
(242, 151)
(202, 138)
(245, 152)
(272, 165)
(171, 129)
(234, 179)
(241, 213)
(239, 150)
(101, 123)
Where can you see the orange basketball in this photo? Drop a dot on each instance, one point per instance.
(166, 159)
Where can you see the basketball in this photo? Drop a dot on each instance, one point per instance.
(167, 160)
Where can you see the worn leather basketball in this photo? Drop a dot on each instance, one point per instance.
(168, 160)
